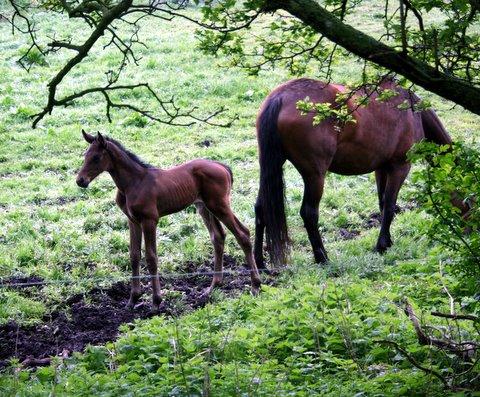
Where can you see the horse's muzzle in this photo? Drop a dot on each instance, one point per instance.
(82, 182)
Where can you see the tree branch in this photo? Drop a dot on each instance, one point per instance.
(82, 52)
(364, 46)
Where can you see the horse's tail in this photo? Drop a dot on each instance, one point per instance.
(433, 128)
(272, 186)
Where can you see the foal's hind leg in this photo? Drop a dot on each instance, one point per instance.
(309, 212)
(217, 235)
(224, 214)
(395, 178)
(259, 234)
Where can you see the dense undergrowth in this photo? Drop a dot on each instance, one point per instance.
(321, 331)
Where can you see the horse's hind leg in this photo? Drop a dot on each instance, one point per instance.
(217, 235)
(395, 178)
(309, 212)
(224, 214)
(381, 179)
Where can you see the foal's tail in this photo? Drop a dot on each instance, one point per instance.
(229, 170)
(433, 128)
(272, 188)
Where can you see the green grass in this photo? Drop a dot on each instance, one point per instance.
(51, 228)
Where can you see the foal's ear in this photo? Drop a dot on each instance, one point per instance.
(101, 140)
(89, 138)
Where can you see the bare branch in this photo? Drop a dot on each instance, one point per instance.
(464, 350)
(414, 362)
(456, 316)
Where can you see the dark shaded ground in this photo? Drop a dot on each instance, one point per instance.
(94, 317)
(373, 220)
(346, 234)
(23, 282)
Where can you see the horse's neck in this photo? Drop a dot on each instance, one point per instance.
(125, 172)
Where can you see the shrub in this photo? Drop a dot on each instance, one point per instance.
(448, 189)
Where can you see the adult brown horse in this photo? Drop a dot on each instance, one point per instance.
(378, 140)
(146, 193)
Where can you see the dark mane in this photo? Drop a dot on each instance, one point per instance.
(132, 156)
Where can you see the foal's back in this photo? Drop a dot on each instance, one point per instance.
(180, 186)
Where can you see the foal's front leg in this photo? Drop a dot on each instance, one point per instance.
(149, 228)
(135, 252)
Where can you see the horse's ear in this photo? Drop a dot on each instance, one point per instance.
(89, 138)
(101, 140)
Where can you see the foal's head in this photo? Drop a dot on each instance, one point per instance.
(97, 159)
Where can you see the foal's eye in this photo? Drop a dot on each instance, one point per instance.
(96, 158)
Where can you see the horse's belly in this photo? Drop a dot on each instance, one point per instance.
(350, 169)
(356, 161)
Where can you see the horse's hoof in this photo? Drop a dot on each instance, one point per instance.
(381, 249)
(383, 243)
(255, 290)
(321, 258)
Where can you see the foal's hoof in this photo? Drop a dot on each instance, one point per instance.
(255, 290)
(264, 270)
(206, 293)
(132, 304)
(156, 302)
(155, 308)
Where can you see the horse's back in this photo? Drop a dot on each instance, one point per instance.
(381, 133)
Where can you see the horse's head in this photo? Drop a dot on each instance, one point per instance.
(96, 159)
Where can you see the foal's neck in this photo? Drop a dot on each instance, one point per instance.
(125, 172)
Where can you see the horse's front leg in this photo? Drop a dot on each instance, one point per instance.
(149, 228)
(135, 253)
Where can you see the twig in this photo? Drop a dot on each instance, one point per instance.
(414, 362)
(455, 316)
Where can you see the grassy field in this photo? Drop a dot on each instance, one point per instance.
(312, 334)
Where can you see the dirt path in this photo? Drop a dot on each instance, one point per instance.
(94, 317)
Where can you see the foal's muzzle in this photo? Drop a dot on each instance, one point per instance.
(82, 182)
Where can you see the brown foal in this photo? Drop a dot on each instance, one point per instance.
(146, 193)
(378, 140)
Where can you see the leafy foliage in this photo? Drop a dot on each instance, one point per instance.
(307, 39)
(316, 337)
(448, 188)
(324, 111)
(450, 42)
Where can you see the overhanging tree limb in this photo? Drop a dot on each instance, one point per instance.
(365, 46)
(82, 52)
(105, 18)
